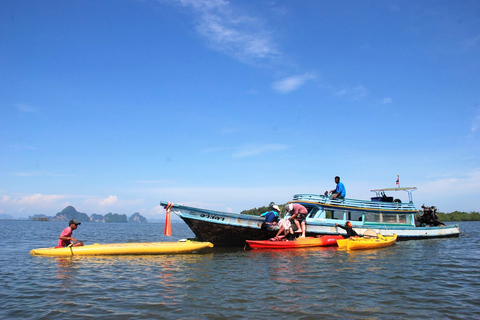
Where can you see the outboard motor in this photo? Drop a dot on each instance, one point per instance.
(429, 217)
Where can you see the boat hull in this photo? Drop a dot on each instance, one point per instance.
(228, 234)
(141, 248)
(306, 242)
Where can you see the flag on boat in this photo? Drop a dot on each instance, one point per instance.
(168, 223)
(398, 181)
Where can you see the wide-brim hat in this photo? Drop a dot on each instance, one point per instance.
(276, 208)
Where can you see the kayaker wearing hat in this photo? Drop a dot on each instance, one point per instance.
(271, 217)
(66, 238)
(298, 214)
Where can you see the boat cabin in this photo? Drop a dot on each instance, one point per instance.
(380, 210)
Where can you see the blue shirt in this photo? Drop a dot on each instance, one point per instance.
(341, 189)
(270, 216)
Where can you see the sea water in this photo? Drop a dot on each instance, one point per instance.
(429, 279)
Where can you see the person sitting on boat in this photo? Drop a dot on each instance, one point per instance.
(66, 238)
(271, 217)
(348, 227)
(285, 231)
(339, 192)
(298, 214)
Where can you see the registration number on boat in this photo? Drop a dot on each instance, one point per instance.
(212, 216)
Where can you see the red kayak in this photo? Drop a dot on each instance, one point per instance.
(322, 241)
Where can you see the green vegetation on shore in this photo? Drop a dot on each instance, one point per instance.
(258, 211)
(459, 216)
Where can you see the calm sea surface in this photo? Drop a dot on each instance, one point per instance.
(430, 279)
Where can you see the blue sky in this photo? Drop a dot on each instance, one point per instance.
(112, 106)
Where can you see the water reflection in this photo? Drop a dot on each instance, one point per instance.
(63, 267)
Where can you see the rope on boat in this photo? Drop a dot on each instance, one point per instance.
(458, 228)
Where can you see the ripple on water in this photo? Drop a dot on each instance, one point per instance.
(413, 279)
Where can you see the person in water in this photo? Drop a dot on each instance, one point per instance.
(348, 227)
(271, 217)
(298, 214)
(66, 238)
(339, 192)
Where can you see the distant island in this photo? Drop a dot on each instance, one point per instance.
(70, 213)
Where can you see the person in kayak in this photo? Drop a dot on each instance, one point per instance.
(348, 227)
(271, 217)
(66, 238)
(298, 214)
(339, 192)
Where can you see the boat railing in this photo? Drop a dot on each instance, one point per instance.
(355, 203)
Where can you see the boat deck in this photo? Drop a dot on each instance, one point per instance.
(354, 203)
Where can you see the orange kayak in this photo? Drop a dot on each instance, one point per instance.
(322, 241)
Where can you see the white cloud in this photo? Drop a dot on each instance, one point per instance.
(292, 83)
(18, 147)
(25, 205)
(257, 149)
(40, 174)
(445, 192)
(231, 31)
(213, 150)
(25, 108)
(386, 101)
(108, 201)
(249, 150)
(472, 43)
(35, 202)
(353, 93)
(165, 181)
(476, 122)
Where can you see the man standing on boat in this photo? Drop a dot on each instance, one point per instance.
(339, 192)
(298, 214)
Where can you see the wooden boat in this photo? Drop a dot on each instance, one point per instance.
(139, 248)
(361, 243)
(385, 215)
(322, 241)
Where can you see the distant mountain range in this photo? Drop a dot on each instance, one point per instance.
(70, 213)
(6, 217)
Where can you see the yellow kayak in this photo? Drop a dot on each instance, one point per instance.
(360, 243)
(124, 249)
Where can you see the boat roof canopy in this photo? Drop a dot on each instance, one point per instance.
(409, 190)
(395, 189)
